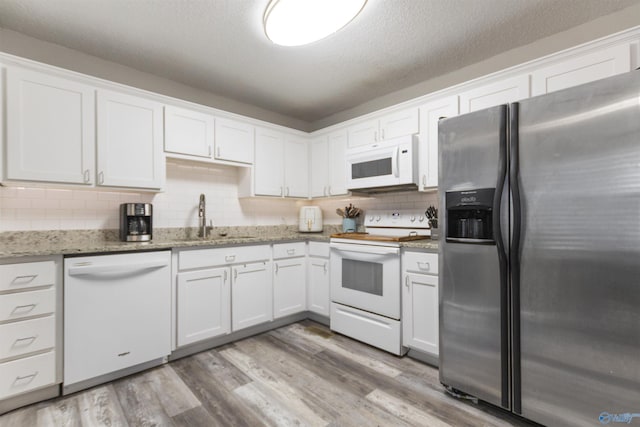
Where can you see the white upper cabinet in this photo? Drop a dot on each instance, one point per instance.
(430, 115)
(280, 167)
(234, 141)
(582, 69)
(188, 132)
(129, 141)
(327, 165)
(319, 166)
(269, 163)
(390, 126)
(50, 128)
(296, 172)
(497, 93)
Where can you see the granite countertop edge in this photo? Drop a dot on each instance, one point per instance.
(42, 243)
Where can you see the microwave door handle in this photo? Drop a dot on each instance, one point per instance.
(394, 162)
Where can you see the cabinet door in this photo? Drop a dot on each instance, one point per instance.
(363, 133)
(251, 295)
(50, 128)
(401, 123)
(501, 92)
(430, 115)
(188, 132)
(204, 303)
(234, 141)
(289, 287)
(420, 312)
(318, 285)
(129, 141)
(268, 169)
(296, 170)
(580, 70)
(319, 166)
(337, 164)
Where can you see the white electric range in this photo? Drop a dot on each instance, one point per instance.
(366, 276)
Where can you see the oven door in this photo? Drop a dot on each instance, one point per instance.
(366, 277)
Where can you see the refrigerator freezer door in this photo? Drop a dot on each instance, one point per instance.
(473, 311)
(579, 175)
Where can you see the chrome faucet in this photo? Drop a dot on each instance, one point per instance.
(202, 206)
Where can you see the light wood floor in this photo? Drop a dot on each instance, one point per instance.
(301, 374)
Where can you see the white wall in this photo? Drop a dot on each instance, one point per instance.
(41, 208)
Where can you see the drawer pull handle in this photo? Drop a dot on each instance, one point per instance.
(23, 280)
(420, 265)
(19, 340)
(229, 258)
(22, 309)
(29, 378)
(124, 354)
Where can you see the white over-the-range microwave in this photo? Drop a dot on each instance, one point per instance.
(390, 165)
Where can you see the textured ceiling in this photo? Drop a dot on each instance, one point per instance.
(219, 45)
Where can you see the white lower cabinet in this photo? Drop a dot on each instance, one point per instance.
(420, 301)
(251, 295)
(203, 305)
(289, 274)
(318, 285)
(29, 328)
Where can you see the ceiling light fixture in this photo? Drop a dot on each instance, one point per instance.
(298, 22)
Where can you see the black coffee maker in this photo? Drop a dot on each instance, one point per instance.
(136, 222)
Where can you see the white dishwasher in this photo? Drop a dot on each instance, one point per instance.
(117, 314)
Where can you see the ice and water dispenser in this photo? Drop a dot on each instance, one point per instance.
(470, 216)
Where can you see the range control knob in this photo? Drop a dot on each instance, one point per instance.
(412, 219)
(378, 218)
(371, 218)
(421, 218)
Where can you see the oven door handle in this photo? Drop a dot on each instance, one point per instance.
(365, 249)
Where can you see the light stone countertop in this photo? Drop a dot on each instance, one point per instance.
(15, 244)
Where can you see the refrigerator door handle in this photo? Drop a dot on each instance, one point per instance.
(502, 257)
(514, 176)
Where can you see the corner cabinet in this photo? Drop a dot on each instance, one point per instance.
(280, 167)
(430, 115)
(328, 166)
(129, 141)
(420, 301)
(50, 128)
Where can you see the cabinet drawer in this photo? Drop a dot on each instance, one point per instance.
(27, 336)
(25, 304)
(288, 250)
(320, 249)
(420, 262)
(30, 373)
(202, 258)
(27, 275)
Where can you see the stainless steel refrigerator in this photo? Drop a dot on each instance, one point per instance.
(540, 258)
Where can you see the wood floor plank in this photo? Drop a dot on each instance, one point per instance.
(140, 403)
(20, 417)
(404, 411)
(278, 387)
(99, 406)
(195, 417)
(173, 394)
(316, 387)
(225, 407)
(224, 371)
(380, 367)
(62, 413)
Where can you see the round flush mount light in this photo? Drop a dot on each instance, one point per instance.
(298, 22)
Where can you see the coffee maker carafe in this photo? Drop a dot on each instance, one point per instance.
(136, 222)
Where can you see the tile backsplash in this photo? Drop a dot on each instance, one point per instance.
(40, 208)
